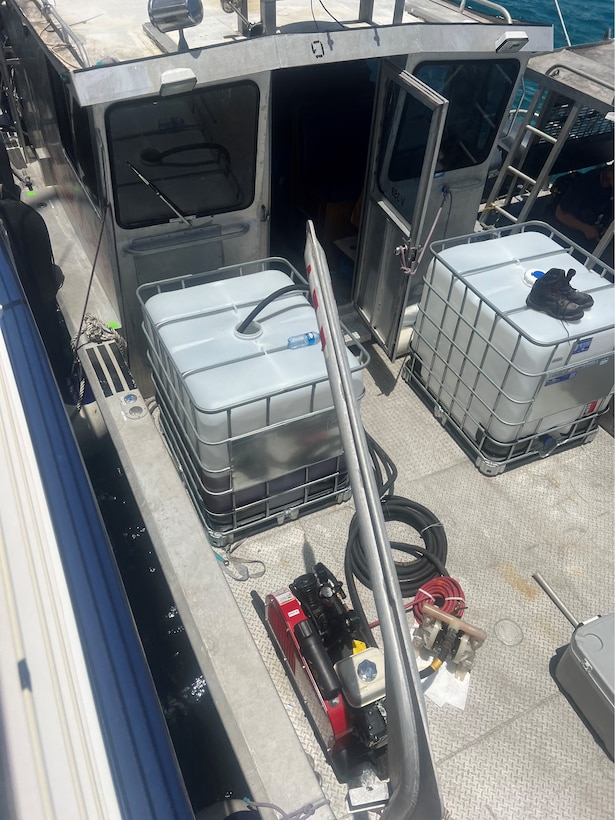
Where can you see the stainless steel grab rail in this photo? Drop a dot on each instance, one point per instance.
(64, 32)
(490, 5)
(415, 792)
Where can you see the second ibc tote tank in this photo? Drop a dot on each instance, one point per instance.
(506, 376)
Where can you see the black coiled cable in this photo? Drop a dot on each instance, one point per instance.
(429, 558)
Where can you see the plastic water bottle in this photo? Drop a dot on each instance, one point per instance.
(302, 340)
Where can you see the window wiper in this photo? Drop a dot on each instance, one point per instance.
(159, 193)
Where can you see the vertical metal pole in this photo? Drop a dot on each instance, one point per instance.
(415, 791)
(11, 91)
(366, 11)
(268, 15)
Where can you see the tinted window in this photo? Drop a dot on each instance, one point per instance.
(478, 93)
(75, 134)
(412, 132)
(198, 150)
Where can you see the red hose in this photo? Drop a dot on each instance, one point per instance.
(444, 592)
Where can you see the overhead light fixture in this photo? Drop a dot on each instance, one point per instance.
(511, 41)
(177, 81)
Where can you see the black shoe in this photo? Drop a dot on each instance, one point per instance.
(584, 300)
(549, 295)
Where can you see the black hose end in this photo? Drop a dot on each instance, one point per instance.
(250, 331)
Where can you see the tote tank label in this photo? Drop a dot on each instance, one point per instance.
(582, 345)
(561, 377)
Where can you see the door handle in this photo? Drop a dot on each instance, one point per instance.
(407, 259)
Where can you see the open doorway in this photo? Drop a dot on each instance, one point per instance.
(321, 120)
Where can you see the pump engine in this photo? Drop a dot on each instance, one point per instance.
(338, 675)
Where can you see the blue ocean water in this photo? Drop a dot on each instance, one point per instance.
(585, 22)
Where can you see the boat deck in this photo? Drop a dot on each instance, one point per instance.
(517, 748)
(507, 743)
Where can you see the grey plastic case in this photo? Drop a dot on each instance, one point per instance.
(586, 672)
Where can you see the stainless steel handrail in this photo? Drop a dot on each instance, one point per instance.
(490, 5)
(64, 32)
(554, 71)
(415, 792)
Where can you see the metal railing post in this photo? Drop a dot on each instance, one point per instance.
(415, 791)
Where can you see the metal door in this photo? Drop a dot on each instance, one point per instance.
(409, 119)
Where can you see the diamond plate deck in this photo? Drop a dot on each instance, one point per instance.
(518, 749)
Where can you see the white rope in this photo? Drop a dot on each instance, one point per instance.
(97, 331)
(561, 19)
(94, 330)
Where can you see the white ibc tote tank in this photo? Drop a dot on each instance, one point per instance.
(501, 370)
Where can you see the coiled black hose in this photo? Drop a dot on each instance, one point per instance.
(385, 471)
(429, 558)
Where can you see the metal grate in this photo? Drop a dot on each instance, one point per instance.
(589, 122)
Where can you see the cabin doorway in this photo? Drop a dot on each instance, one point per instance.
(383, 161)
(321, 121)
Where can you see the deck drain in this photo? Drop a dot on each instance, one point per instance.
(508, 632)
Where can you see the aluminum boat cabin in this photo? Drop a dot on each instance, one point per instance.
(200, 166)
(255, 119)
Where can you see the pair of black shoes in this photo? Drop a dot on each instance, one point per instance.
(554, 295)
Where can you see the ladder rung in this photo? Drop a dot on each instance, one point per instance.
(520, 174)
(542, 134)
(501, 210)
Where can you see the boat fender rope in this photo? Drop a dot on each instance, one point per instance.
(308, 810)
(239, 569)
(94, 330)
(97, 331)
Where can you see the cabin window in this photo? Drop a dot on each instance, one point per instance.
(192, 154)
(411, 126)
(478, 93)
(75, 135)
